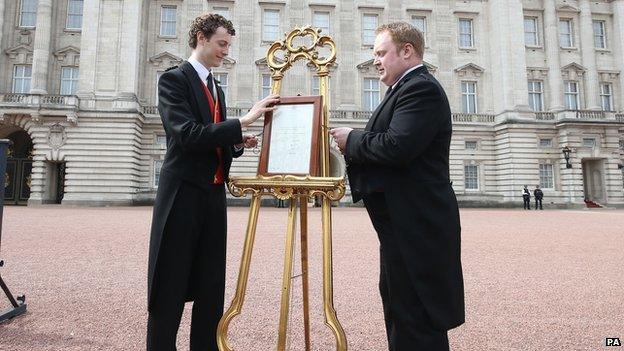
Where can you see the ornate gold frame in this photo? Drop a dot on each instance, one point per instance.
(298, 190)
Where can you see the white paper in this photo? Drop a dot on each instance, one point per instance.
(291, 139)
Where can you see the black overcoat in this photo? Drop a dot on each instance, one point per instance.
(404, 152)
(192, 141)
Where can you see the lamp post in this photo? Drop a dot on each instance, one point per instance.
(566, 154)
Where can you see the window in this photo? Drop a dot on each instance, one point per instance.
(420, 22)
(536, 96)
(69, 80)
(546, 178)
(168, 21)
(466, 39)
(370, 94)
(471, 145)
(161, 141)
(530, 31)
(589, 142)
(74, 14)
(571, 95)
(565, 33)
(544, 142)
(270, 25)
(606, 98)
(471, 177)
(28, 13)
(223, 82)
(621, 144)
(469, 97)
(21, 79)
(320, 20)
(600, 41)
(158, 74)
(266, 86)
(369, 24)
(223, 11)
(157, 167)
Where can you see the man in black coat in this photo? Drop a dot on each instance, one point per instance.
(539, 195)
(526, 197)
(399, 166)
(188, 236)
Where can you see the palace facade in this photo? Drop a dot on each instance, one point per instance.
(526, 79)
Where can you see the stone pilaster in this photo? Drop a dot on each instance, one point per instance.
(555, 80)
(1, 20)
(41, 52)
(589, 57)
(507, 54)
(618, 43)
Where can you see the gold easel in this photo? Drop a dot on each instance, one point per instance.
(299, 190)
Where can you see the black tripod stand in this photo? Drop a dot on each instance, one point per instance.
(18, 304)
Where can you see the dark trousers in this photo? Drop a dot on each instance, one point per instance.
(540, 203)
(191, 263)
(527, 202)
(408, 326)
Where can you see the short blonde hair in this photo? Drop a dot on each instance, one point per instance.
(404, 33)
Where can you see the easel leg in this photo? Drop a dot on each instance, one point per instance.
(286, 277)
(243, 275)
(303, 206)
(328, 281)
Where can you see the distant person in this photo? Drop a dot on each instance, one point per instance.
(526, 196)
(539, 195)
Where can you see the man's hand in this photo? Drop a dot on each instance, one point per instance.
(250, 140)
(340, 135)
(258, 109)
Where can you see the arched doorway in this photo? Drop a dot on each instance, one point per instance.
(19, 169)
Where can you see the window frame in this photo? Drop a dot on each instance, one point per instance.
(570, 34)
(164, 21)
(264, 34)
(325, 30)
(543, 169)
(22, 79)
(608, 96)
(219, 77)
(69, 15)
(424, 19)
(467, 94)
(567, 93)
(364, 38)
(73, 80)
(460, 34)
(532, 93)
(535, 20)
(370, 90)
(468, 179)
(264, 87)
(603, 35)
(20, 19)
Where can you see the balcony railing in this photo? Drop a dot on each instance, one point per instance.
(349, 114)
(619, 117)
(585, 114)
(150, 110)
(544, 116)
(473, 118)
(39, 101)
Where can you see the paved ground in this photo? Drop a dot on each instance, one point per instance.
(559, 287)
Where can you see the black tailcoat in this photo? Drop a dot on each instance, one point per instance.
(404, 153)
(192, 140)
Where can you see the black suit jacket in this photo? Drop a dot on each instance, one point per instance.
(404, 152)
(192, 141)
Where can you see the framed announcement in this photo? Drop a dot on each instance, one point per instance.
(291, 137)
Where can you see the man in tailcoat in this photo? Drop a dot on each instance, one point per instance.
(188, 236)
(399, 166)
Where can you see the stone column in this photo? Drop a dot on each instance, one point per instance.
(555, 80)
(41, 52)
(589, 57)
(1, 20)
(618, 43)
(88, 45)
(507, 54)
(129, 49)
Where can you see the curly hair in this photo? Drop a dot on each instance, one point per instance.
(208, 24)
(404, 33)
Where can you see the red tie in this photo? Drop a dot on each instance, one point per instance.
(216, 115)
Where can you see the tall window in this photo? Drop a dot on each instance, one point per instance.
(470, 145)
(266, 86)
(370, 94)
(157, 167)
(589, 142)
(270, 25)
(566, 39)
(546, 178)
(28, 13)
(74, 14)
(606, 97)
(316, 85)
(369, 24)
(69, 80)
(600, 41)
(168, 21)
(530, 31)
(21, 79)
(223, 11)
(571, 95)
(320, 19)
(223, 82)
(471, 177)
(536, 99)
(466, 37)
(469, 97)
(545, 142)
(420, 22)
